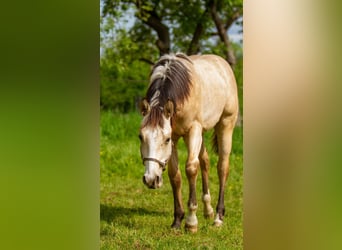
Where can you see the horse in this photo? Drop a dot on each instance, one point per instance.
(186, 96)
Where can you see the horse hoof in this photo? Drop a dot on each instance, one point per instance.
(176, 226)
(209, 216)
(218, 223)
(191, 228)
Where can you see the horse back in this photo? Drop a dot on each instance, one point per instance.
(213, 94)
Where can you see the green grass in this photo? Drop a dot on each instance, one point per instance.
(135, 217)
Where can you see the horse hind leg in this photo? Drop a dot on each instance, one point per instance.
(204, 163)
(224, 133)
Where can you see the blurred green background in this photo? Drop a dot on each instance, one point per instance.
(49, 125)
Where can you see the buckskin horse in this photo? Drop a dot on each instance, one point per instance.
(187, 96)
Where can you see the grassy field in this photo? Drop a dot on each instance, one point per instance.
(135, 217)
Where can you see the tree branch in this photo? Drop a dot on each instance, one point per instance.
(194, 44)
(154, 21)
(146, 61)
(232, 19)
(222, 32)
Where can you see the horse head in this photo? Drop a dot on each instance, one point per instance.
(155, 141)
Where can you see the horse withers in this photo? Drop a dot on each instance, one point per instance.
(186, 97)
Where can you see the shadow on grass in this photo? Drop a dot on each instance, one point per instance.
(109, 213)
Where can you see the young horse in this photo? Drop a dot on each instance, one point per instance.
(187, 96)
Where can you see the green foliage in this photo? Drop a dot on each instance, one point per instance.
(134, 217)
(122, 89)
(123, 77)
(123, 74)
(238, 72)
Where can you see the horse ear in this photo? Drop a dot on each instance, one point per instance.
(144, 107)
(169, 109)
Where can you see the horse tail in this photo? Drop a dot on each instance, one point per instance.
(214, 143)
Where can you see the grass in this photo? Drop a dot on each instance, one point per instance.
(135, 217)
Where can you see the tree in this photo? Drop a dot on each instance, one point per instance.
(222, 23)
(179, 25)
(135, 33)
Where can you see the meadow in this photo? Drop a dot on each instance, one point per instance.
(135, 217)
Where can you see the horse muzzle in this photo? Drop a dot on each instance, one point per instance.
(153, 183)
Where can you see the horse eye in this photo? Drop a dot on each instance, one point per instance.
(168, 140)
(140, 137)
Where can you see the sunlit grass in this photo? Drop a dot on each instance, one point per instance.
(134, 217)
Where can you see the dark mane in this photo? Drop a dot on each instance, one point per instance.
(154, 118)
(170, 80)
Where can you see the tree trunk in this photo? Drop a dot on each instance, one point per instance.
(154, 21)
(222, 32)
(194, 46)
(163, 42)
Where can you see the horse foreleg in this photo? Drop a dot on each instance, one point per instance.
(224, 132)
(176, 183)
(204, 162)
(193, 141)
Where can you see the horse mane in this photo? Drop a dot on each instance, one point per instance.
(170, 79)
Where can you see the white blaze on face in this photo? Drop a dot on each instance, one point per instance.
(152, 168)
(156, 144)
